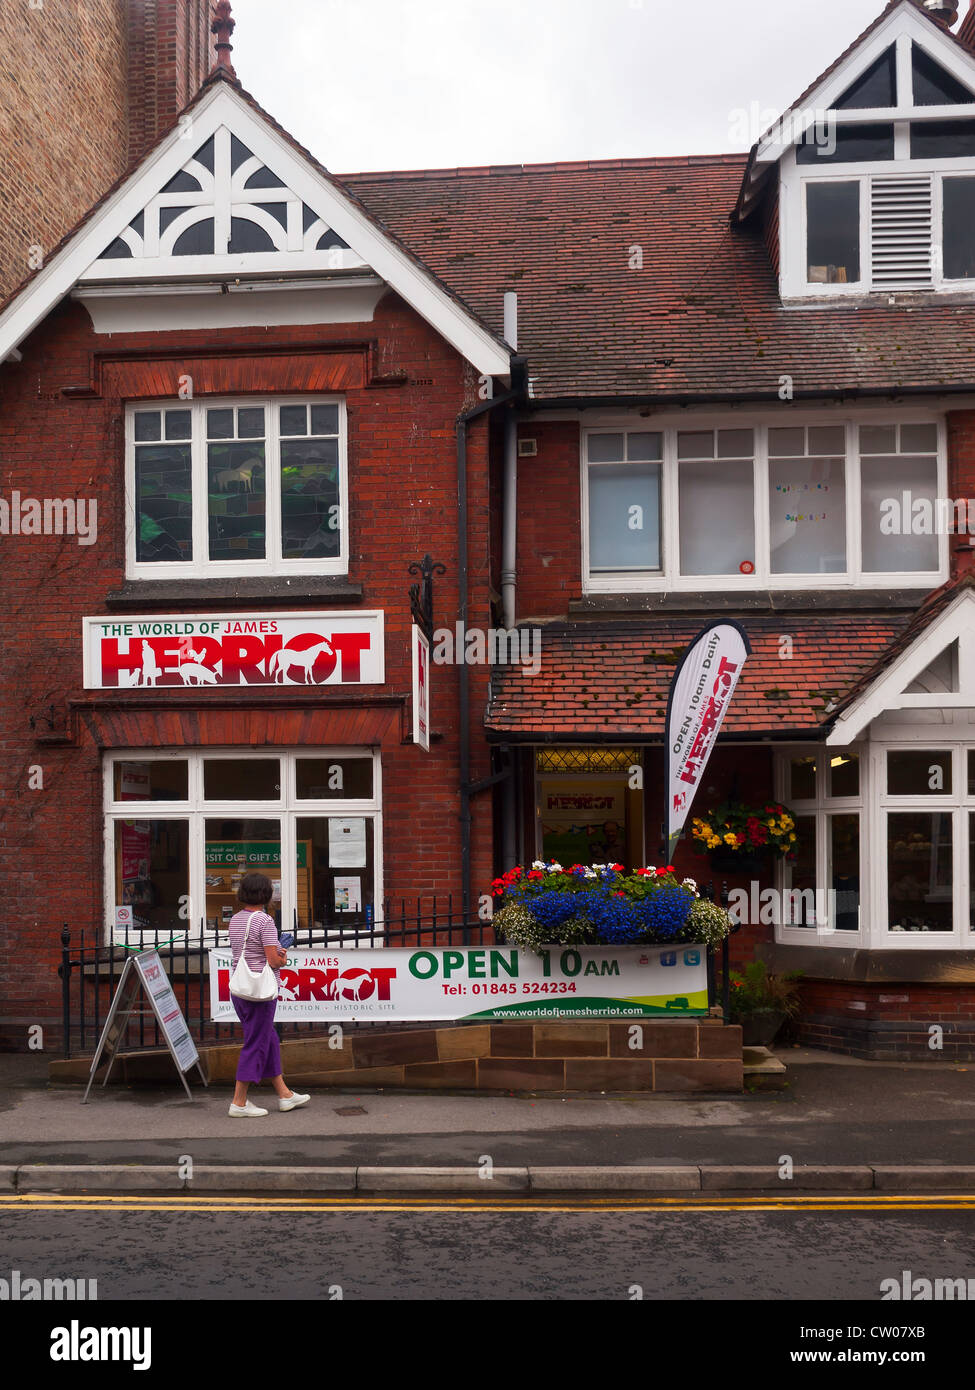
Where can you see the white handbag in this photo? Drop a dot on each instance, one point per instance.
(251, 984)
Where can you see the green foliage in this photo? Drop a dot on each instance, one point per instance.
(754, 990)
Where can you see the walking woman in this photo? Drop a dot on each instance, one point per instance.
(253, 932)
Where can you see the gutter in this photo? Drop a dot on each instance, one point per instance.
(469, 789)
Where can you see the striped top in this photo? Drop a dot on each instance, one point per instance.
(263, 933)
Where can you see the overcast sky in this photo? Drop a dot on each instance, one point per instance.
(414, 84)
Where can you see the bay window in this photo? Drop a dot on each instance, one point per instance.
(837, 503)
(236, 488)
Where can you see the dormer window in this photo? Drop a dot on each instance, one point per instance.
(877, 193)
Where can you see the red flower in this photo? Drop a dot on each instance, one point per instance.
(536, 874)
(619, 895)
(740, 838)
(617, 867)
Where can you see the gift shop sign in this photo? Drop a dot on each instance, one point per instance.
(491, 982)
(239, 649)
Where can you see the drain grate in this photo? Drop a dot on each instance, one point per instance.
(350, 1110)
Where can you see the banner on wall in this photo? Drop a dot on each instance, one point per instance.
(185, 652)
(700, 693)
(491, 982)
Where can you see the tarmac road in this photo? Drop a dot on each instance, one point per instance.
(589, 1250)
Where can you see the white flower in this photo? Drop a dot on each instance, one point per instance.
(555, 867)
(591, 873)
(650, 868)
(538, 864)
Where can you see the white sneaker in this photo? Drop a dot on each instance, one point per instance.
(293, 1101)
(249, 1108)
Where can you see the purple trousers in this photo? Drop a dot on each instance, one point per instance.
(260, 1056)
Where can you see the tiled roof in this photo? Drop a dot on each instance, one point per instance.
(932, 607)
(612, 680)
(701, 319)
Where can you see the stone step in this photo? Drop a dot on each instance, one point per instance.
(762, 1070)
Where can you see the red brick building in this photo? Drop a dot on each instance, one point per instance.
(733, 385)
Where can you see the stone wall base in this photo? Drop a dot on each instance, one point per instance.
(667, 1056)
(888, 1040)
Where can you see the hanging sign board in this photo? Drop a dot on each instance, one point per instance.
(700, 693)
(184, 652)
(146, 971)
(421, 688)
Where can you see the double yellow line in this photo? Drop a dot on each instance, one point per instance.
(192, 1202)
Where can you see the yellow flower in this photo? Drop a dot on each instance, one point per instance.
(771, 824)
(731, 839)
(792, 837)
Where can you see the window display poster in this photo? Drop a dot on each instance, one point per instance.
(347, 842)
(348, 894)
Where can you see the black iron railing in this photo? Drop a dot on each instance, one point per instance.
(91, 967)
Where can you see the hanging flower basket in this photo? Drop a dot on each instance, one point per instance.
(740, 839)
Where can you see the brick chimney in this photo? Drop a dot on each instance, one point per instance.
(171, 50)
(967, 31)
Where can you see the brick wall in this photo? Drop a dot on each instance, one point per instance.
(84, 89)
(549, 522)
(889, 1021)
(961, 480)
(403, 503)
(171, 50)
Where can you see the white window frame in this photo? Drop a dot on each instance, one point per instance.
(822, 807)
(873, 806)
(204, 568)
(196, 810)
(669, 578)
(793, 177)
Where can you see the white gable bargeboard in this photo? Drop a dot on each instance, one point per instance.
(890, 691)
(227, 197)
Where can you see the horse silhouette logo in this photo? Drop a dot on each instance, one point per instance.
(287, 660)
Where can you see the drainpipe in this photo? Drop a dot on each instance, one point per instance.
(509, 547)
(469, 789)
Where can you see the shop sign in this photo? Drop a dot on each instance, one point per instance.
(251, 855)
(198, 650)
(421, 689)
(489, 982)
(701, 691)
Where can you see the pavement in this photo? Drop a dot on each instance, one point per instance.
(840, 1125)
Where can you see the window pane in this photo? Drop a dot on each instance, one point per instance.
(959, 229)
(802, 779)
(919, 439)
(933, 86)
(846, 144)
(294, 419)
(179, 424)
(698, 444)
(786, 443)
(799, 908)
(844, 871)
(150, 781)
(807, 510)
(606, 448)
(163, 503)
(878, 439)
(971, 773)
(220, 424)
(237, 501)
(919, 871)
(873, 88)
(148, 425)
(717, 518)
(827, 439)
(624, 517)
(942, 139)
(844, 775)
(736, 444)
(833, 233)
(324, 419)
(333, 779)
(336, 871)
(644, 448)
(250, 423)
(244, 779)
(152, 875)
(919, 772)
(892, 539)
(971, 870)
(235, 847)
(310, 499)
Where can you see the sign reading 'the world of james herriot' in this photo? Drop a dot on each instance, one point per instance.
(239, 649)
